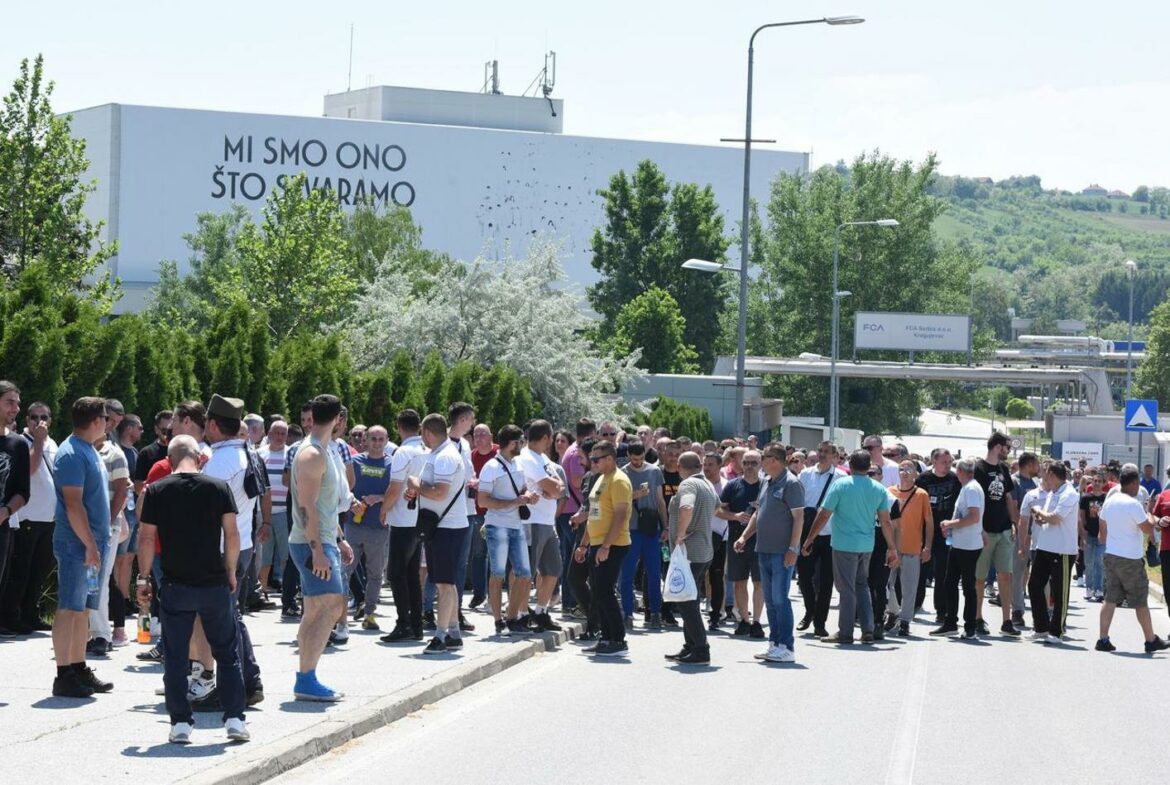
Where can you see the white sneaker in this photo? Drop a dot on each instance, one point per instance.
(341, 631)
(237, 730)
(180, 733)
(198, 687)
(763, 655)
(1080, 582)
(1038, 636)
(1050, 638)
(780, 654)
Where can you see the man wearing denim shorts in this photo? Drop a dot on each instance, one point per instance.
(545, 553)
(79, 540)
(999, 512)
(501, 492)
(314, 485)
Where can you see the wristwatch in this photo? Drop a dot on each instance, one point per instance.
(793, 549)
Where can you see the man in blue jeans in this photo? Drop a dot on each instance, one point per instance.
(501, 493)
(777, 525)
(646, 527)
(191, 512)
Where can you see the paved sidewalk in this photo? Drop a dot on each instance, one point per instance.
(124, 734)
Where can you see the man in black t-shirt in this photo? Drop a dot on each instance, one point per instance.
(190, 513)
(152, 453)
(999, 513)
(14, 477)
(943, 487)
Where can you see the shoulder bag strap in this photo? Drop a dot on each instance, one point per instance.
(825, 490)
(508, 472)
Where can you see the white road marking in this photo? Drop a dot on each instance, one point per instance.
(905, 748)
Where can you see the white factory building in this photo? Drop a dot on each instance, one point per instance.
(482, 173)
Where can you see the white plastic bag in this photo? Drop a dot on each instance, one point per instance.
(680, 583)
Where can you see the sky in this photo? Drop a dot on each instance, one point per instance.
(1066, 90)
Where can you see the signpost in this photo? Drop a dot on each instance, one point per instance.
(1141, 417)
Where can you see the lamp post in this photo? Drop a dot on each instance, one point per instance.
(1131, 272)
(747, 165)
(837, 295)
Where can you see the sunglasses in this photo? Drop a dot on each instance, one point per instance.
(39, 417)
(905, 471)
(596, 459)
(750, 463)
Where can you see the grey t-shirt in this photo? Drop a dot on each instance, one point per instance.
(695, 492)
(778, 498)
(651, 475)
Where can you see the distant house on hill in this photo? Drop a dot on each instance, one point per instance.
(1118, 195)
(1095, 190)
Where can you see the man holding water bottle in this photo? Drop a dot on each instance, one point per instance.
(79, 540)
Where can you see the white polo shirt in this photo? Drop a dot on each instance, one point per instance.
(407, 462)
(445, 465)
(536, 467)
(1060, 536)
(495, 482)
(228, 462)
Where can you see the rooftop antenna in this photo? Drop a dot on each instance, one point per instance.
(349, 76)
(546, 80)
(491, 78)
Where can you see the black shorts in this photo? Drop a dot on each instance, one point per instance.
(443, 551)
(741, 566)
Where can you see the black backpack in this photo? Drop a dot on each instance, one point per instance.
(255, 473)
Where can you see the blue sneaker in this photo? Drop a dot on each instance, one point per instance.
(307, 688)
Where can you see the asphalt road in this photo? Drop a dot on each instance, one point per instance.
(918, 710)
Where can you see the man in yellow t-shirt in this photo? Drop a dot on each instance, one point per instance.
(608, 534)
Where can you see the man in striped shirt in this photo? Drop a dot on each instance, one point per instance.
(274, 551)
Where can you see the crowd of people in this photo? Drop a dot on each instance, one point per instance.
(223, 509)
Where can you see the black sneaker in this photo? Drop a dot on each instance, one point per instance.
(867, 637)
(1157, 644)
(1018, 619)
(655, 621)
(398, 635)
(668, 619)
(436, 646)
(500, 627)
(681, 653)
(416, 633)
(465, 625)
(945, 629)
(596, 647)
(757, 631)
(209, 702)
(981, 627)
(254, 694)
(904, 629)
(71, 686)
(518, 627)
(452, 643)
(996, 601)
(695, 657)
(477, 599)
(1104, 644)
(970, 633)
(429, 620)
(154, 654)
(90, 679)
(743, 628)
(290, 614)
(1007, 628)
(97, 647)
(545, 623)
(803, 624)
(891, 622)
(879, 634)
(615, 649)
(820, 632)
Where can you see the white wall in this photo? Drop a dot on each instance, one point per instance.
(474, 190)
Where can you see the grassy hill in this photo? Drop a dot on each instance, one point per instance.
(1053, 255)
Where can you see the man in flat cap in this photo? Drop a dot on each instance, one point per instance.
(229, 462)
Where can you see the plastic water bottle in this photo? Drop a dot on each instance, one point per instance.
(91, 578)
(665, 552)
(143, 619)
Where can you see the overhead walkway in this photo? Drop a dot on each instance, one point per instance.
(1090, 384)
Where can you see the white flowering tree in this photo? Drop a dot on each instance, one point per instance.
(517, 312)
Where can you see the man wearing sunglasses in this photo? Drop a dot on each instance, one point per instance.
(737, 503)
(607, 535)
(32, 543)
(14, 478)
(814, 567)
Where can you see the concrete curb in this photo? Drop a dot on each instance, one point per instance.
(263, 762)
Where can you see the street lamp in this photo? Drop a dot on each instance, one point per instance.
(702, 265)
(834, 392)
(747, 166)
(1131, 272)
